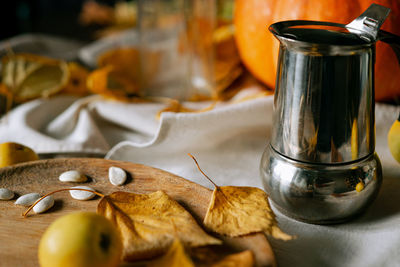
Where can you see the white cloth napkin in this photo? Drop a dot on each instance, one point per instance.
(228, 143)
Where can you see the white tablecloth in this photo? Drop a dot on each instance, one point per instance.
(228, 142)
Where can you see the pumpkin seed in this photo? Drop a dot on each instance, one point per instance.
(44, 204)
(82, 195)
(27, 200)
(73, 176)
(116, 175)
(6, 194)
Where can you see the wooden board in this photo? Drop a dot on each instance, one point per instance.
(19, 237)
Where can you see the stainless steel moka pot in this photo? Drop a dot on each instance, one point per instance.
(321, 166)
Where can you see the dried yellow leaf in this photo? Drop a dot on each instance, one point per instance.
(6, 99)
(225, 81)
(148, 223)
(227, 64)
(76, 84)
(242, 259)
(124, 59)
(112, 83)
(174, 257)
(175, 106)
(239, 210)
(236, 211)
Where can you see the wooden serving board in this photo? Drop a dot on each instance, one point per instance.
(19, 237)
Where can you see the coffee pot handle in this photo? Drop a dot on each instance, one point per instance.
(391, 39)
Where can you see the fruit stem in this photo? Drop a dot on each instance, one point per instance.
(197, 164)
(60, 190)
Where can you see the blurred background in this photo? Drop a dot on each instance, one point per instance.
(76, 19)
(84, 20)
(241, 42)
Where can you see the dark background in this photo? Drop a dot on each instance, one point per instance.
(55, 17)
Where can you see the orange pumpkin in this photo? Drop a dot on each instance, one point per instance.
(258, 48)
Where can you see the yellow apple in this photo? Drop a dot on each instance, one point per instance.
(13, 153)
(394, 140)
(80, 239)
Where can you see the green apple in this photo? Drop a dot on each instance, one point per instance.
(80, 239)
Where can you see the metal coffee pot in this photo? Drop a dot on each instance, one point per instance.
(321, 166)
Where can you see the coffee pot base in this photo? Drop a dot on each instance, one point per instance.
(320, 193)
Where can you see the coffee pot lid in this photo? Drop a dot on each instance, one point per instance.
(361, 31)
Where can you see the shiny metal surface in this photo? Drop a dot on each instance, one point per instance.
(368, 23)
(320, 166)
(316, 38)
(320, 193)
(324, 103)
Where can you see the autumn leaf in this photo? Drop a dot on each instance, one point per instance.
(110, 82)
(243, 259)
(125, 60)
(144, 221)
(6, 99)
(236, 211)
(220, 256)
(76, 84)
(175, 106)
(174, 257)
(227, 63)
